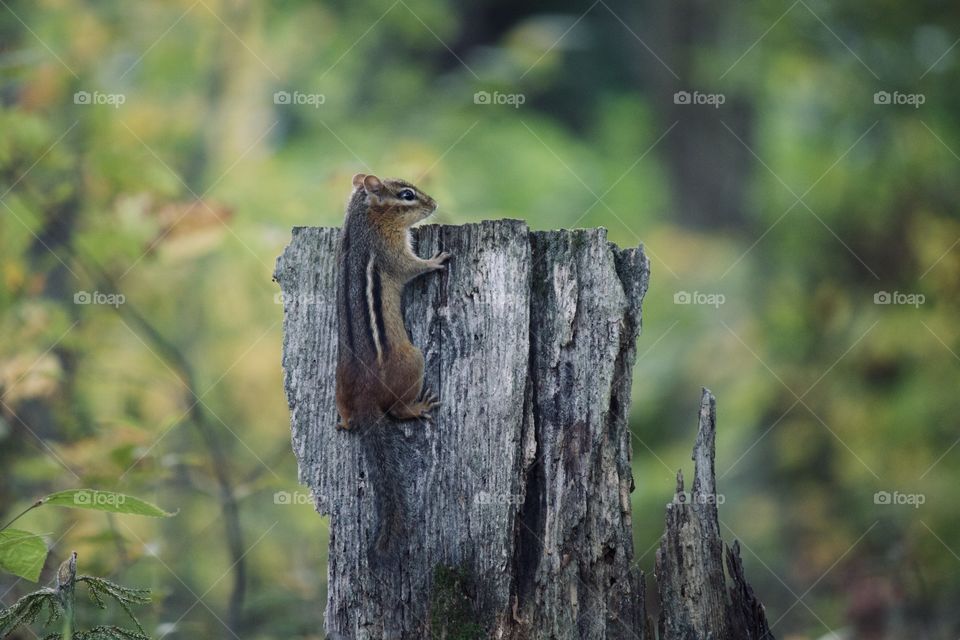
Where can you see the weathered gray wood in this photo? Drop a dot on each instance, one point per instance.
(522, 483)
(576, 522)
(748, 618)
(694, 601)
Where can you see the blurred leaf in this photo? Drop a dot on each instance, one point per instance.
(105, 501)
(22, 553)
(27, 376)
(190, 228)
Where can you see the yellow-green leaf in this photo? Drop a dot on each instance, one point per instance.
(105, 501)
(22, 553)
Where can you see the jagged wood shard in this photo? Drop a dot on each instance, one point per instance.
(695, 603)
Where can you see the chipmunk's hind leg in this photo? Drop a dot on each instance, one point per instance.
(410, 401)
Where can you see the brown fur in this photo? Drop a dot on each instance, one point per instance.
(372, 382)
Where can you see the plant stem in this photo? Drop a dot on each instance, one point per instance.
(23, 513)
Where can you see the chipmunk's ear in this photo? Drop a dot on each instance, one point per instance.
(358, 179)
(372, 185)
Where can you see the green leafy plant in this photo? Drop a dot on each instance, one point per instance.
(23, 554)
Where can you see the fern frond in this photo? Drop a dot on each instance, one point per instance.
(103, 632)
(125, 596)
(27, 609)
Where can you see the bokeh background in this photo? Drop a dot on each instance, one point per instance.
(798, 203)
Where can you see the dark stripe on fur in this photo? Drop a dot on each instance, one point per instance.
(378, 310)
(366, 310)
(345, 290)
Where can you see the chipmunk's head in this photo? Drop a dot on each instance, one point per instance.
(394, 201)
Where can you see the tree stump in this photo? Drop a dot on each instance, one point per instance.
(517, 496)
(519, 491)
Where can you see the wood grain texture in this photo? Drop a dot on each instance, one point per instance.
(522, 483)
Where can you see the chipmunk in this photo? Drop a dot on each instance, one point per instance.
(379, 371)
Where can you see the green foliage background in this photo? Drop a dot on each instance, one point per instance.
(797, 200)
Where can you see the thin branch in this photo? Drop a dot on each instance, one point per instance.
(22, 513)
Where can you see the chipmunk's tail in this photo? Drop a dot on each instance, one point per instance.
(383, 444)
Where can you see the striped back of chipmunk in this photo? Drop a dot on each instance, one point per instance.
(363, 334)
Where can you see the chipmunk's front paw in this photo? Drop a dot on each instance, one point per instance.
(439, 260)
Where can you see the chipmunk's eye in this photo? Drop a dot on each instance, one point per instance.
(407, 194)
